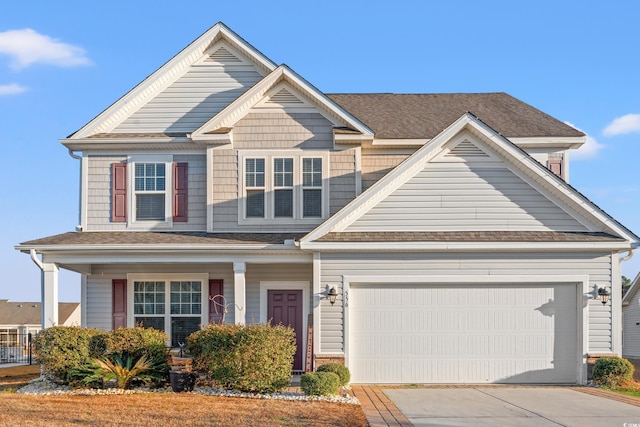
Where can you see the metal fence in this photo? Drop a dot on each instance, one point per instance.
(16, 347)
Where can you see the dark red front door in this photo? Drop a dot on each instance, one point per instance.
(285, 307)
(216, 305)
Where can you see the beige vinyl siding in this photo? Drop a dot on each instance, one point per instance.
(343, 179)
(224, 177)
(100, 300)
(280, 130)
(99, 194)
(375, 166)
(257, 273)
(197, 193)
(185, 105)
(466, 196)
(631, 328)
(394, 265)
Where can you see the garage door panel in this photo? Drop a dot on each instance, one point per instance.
(457, 334)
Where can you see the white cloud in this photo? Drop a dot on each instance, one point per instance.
(620, 125)
(27, 47)
(12, 89)
(589, 149)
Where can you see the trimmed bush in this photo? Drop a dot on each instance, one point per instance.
(612, 371)
(338, 369)
(320, 383)
(64, 349)
(251, 358)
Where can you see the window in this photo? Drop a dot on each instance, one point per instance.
(150, 189)
(312, 187)
(181, 316)
(254, 184)
(283, 187)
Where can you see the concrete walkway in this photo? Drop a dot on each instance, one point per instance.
(458, 405)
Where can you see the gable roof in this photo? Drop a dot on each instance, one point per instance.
(168, 73)
(240, 107)
(30, 313)
(633, 289)
(414, 116)
(529, 169)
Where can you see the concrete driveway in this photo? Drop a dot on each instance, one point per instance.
(510, 406)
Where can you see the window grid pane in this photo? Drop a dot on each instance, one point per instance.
(185, 298)
(254, 173)
(148, 298)
(150, 176)
(283, 172)
(312, 172)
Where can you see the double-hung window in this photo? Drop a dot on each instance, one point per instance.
(284, 187)
(312, 187)
(255, 186)
(172, 304)
(150, 191)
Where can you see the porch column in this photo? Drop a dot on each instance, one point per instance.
(240, 292)
(49, 295)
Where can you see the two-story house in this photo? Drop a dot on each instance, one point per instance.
(426, 237)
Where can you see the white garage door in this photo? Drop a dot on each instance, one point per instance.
(463, 334)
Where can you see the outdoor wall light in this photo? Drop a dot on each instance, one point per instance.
(332, 295)
(603, 295)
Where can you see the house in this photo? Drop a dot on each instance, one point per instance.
(631, 323)
(444, 225)
(19, 319)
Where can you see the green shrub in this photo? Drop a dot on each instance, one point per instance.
(62, 350)
(252, 358)
(340, 370)
(123, 369)
(320, 383)
(612, 371)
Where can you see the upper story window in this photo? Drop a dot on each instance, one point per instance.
(150, 188)
(284, 187)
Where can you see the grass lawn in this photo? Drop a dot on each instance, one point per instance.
(157, 409)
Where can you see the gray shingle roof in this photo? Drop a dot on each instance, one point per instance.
(177, 238)
(469, 236)
(30, 313)
(419, 116)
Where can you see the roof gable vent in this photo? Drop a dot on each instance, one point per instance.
(223, 56)
(466, 149)
(283, 96)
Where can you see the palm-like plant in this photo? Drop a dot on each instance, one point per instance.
(121, 368)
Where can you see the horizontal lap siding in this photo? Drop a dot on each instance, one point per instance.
(631, 328)
(335, 266)
(188, 103)
(99, 194)
(99, 301)
(197, 193)
(461, 197)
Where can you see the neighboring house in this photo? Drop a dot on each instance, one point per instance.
(631, 322)
(19, 319)
(444, 222)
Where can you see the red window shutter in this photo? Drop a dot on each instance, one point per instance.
(119, 192)
(119, 303)
(180, 192)
(216, 307)
(555, 166)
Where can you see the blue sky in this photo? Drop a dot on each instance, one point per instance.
(62, 63)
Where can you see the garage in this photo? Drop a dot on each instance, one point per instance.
(484, 333)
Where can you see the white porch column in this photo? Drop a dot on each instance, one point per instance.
(240, 292)
(49, 295)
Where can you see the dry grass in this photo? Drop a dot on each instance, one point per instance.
(157, 409)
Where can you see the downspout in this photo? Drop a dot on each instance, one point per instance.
(627, 257)
(34, 258)
(75, 156)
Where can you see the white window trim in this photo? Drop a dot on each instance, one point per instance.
(168, 189)
(167, 278)
(269, 157)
